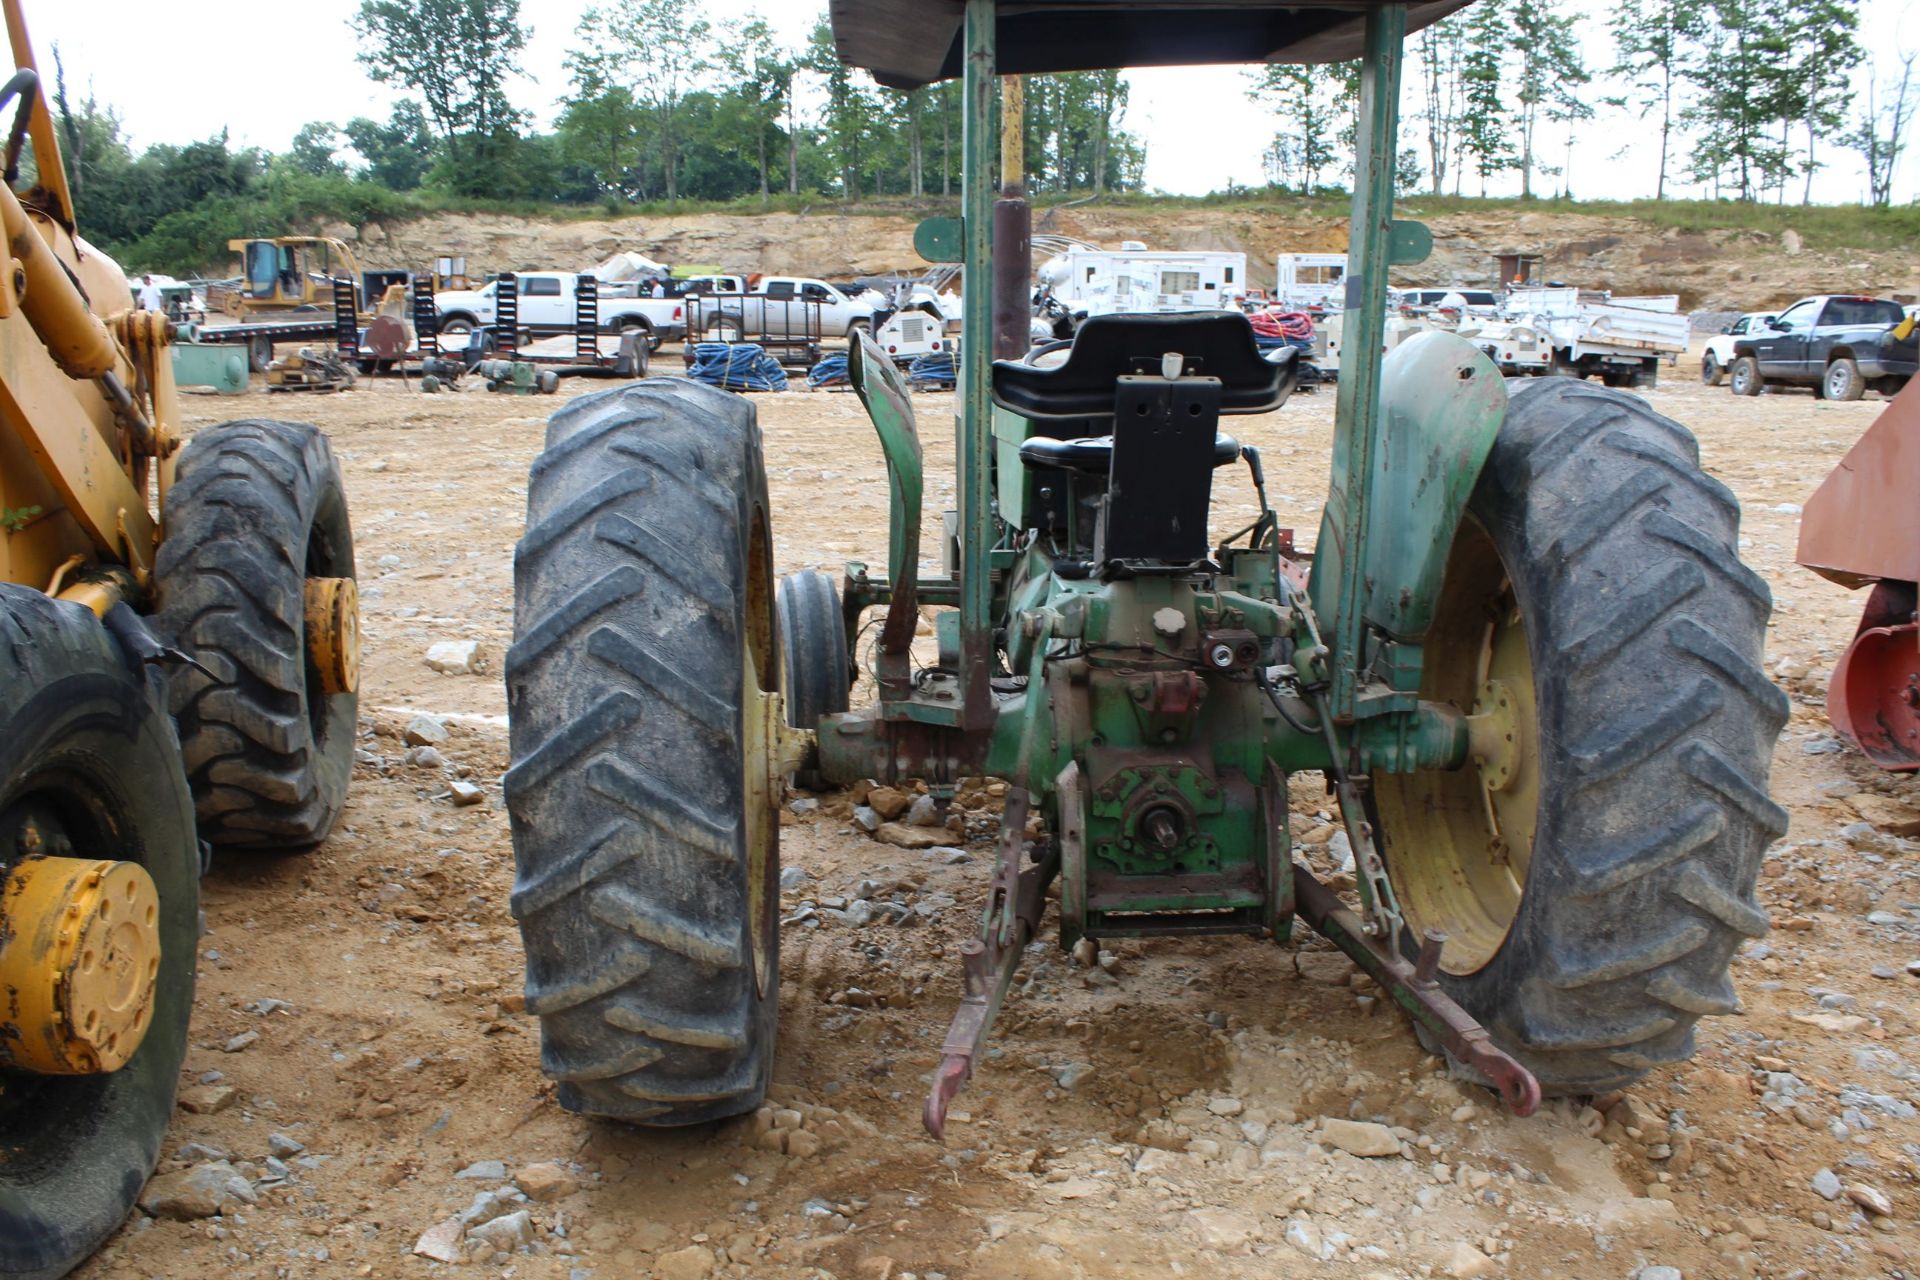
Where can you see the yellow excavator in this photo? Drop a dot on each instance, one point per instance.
(179, 651)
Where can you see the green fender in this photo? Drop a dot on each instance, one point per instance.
(890, 407)
(1441, 405)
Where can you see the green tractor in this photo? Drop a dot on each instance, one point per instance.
(1523, 652)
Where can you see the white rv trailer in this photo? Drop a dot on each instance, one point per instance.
(1136, 279)
(1310, 280)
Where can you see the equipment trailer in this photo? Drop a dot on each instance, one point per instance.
(1523, 654)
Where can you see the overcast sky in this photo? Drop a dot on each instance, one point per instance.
(261, 70)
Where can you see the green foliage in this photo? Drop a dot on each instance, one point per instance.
(1550, 80)
(1881, 135)
(457, 55)
(397, 154)
(1314, 104)
(1485, 118)
(14, 519)
(1656, 43)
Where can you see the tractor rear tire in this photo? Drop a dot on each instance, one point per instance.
(86, 748)
(1645, 746)
(643, 810)
(256, 508)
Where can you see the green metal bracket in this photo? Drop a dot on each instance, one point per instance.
(973, 444)
(1338, 584)
(1408, 242)
(941, 239)
(890, 407)
(1441, 407)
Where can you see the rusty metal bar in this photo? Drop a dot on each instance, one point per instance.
(1012, 917)
(1414, 988)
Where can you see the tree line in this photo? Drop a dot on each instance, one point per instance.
(660, 104)
(1747, 99)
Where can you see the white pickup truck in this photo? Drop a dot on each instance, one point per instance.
(1582, 333)
(781, 308)
(547, 307)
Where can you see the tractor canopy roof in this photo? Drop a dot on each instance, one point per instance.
(910, 43)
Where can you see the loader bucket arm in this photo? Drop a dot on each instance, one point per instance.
(57, 196)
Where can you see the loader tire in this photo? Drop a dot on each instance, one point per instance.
(640, 796)
(88, 755)
(1599, 560)
(256, 509)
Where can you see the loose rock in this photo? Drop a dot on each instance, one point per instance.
(1870, 1198)
(501, 1235)
(1826, 1185)
(441, 1242)
(425, 731)
(484, 1171)
(200, 1192)
(208, 1099)
(546, 1181)
(695, 1262)
(454, 657)
(906, 837)
(1360, 1137)
(1223, 1228)
(888, 802)
(1464, 1262)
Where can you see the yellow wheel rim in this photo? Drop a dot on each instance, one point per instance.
(762, 715)
(1459, 841)
(79, 953)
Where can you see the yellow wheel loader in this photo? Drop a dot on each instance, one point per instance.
(178, 658)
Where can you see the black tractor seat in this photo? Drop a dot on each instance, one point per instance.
(1093, 455)
(1212, 344)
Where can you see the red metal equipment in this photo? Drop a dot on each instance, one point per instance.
(1860, 527)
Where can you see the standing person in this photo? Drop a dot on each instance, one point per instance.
(150, 296)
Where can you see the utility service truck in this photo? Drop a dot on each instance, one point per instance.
(1582, 332)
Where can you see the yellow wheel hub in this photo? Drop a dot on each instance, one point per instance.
(333, 633)
(1459, 841)
(79, 951)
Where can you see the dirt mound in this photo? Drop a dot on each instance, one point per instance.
(1719, 270)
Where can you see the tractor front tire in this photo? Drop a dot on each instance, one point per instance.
(642, 805)
(816, 672)
(1595, 599)
(256, 510)
(813, 641)
(89, 768)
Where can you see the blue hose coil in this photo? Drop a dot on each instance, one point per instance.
(736, 366)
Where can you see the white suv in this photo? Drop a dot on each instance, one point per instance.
(1719, 353)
